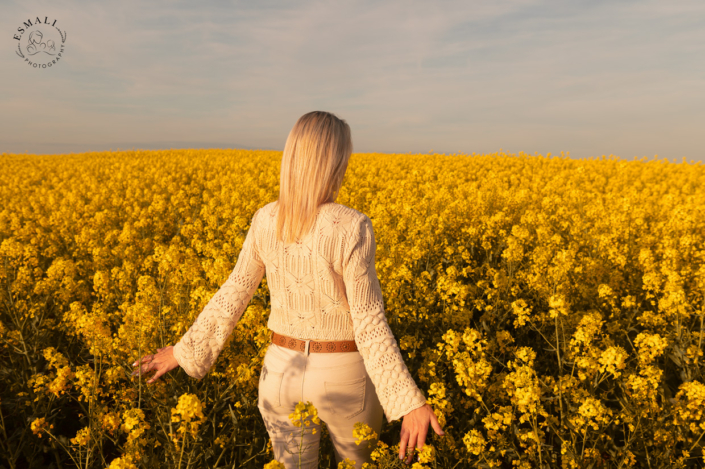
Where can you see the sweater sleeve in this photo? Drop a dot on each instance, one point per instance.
(395, 387)
(200, 346)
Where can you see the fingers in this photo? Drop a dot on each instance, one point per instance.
(406, 444)
(150, 363)
(157, 375)
(410, 448)
(144, 368)
(421, 439)
(145, 359)
(436, 426)
(402, 444)
(414, 435)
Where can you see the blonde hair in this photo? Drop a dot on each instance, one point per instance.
(314, 161)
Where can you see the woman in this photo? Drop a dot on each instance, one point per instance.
(331, 343)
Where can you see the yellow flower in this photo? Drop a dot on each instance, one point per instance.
(471, 367)
(62, 382)
(380, 451)
(55, 359)
(408, 342)
(604, 291)
(558, 306)
(522, 311)
(612, 360)
(110, 422)
(474, 442)
(40, 425)
(526, 355)
(131, 419)
(650, 346)
(504, 338)
(274, 465)
(427, 454)
(691, 406)
(498, 421)
(346, 464)
(304, 414)
(363, 432)
(188, 413)
(85, 378)
(591, 413)
(123, 462)
(82, 437)
(135, 427)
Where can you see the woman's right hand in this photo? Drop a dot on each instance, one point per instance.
(162, 362)
(414, 428)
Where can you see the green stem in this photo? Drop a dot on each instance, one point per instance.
(64, 447)
(183, 444)
(2, 427)
(696, 442)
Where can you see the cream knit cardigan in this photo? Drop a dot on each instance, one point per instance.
(322, 287)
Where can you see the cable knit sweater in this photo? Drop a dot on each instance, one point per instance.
(322, 287)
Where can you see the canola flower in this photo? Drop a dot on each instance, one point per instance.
(40, 425)
(82, 437)
(346, 464)
(305, 415)
(189, 414)
(274, 465)
(551, 309)
(363, 432)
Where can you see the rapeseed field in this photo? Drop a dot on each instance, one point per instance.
(551, 309)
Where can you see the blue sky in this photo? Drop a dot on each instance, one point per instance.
(589, 77)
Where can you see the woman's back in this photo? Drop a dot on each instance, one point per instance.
(305, 278)
(322, 287)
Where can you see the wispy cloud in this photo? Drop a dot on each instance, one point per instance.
(589, 77)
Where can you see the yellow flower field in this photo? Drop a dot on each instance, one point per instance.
(551, 309)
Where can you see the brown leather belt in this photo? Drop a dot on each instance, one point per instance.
(329, 346)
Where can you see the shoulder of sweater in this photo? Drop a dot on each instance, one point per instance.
(351, 214)
(267, 208)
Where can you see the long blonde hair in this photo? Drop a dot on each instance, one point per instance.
(314, 161)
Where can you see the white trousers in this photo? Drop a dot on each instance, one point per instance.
(337, 384)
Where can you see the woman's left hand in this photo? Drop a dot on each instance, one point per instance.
(414, 428)
(162, 362)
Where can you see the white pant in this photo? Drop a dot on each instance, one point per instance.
(337, 384)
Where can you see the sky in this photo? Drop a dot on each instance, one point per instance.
(592, 78)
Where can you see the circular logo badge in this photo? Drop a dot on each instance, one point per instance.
(40, 43)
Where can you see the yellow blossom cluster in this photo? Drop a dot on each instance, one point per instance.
(346, 464)
(304, 415)
(691, 406)
(274, 465)
(410, 343)
(122, 462)
(612, 360)
(82, 437)
(591, 413)
(474, 442)
(188, 413)
(363, 432)
(40, 425)
(471, 367)
(135, 426)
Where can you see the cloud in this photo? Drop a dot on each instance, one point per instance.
(615, 77)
